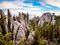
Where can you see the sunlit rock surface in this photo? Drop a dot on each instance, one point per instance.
(20, 28)
(47, 17)
(21, 32)
(31, 36)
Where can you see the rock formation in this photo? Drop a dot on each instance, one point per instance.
(3, 22)
(18, 25)
(20, 28)
(47, 17)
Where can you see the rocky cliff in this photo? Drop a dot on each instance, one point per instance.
(47, 17)
(18, 25)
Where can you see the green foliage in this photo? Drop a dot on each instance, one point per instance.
(5, 39)
(47, 32)
(57, 20)
(42, 42)
(21, 43)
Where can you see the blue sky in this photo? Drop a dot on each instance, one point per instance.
(31, 6)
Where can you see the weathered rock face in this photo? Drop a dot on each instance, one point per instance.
(31, 37)
(3, 23)
(17, 25)
(53, 19)
(46, 17)
(18, 32)
(19, 29)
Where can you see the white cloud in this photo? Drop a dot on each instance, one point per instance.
(53, 2)
(16, 7)
(8, 5)
(19, 6)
